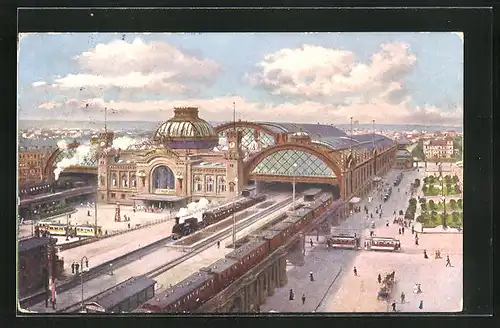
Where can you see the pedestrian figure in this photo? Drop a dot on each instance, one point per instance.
(371, 215)
(421, 305)
(128, 225)
(380, 216)
(311, 276)
(303, 299)
(218, 244)
(387, 223)
(88, 213)
(133, 209)
(399, 230)
(403, 230)
(393, 306)
(291, 296)
(379, 278)
(355, 271)
(425, 254)
(403, 297)
(73, 267)
(448, 262)
(394, 213)
(416, 241)
(412, 229)
(77, 266)
(371, 233)
(311, 242)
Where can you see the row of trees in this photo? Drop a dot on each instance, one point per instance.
(433, 219)
(412, 208)
(452, 204)
(433, 190)
(448, 179)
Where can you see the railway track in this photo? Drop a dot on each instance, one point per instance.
(225, 233)
(100, 270)
(135, 255)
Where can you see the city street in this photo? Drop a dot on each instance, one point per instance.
(336, 289)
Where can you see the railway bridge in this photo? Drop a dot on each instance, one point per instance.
(250, 291)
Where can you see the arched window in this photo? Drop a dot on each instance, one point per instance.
(209, 183)
(197, 183)
(221, 184)
(163, 178)
(124, 180)
(231, 186)
(103, 180)
(134, 180)
(113, 179)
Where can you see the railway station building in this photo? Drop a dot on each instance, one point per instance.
(188, 159)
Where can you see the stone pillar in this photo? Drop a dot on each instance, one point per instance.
(282, 268)
(270, 281)
(261, 296)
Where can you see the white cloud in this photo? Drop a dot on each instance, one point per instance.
(146, 66)
(220, 109)
(312, 71)
(50, 105)
(460, 35)
(38, 84)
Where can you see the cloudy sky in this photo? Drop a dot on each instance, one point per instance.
(406, 78)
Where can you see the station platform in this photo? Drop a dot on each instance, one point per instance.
(110, 248)
(210, 255)
(100, 284)
(143, 265)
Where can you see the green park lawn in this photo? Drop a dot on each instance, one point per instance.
(431, 222)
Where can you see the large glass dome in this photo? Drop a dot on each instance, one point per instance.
(186, 130)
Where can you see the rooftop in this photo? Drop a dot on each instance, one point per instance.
(31, 243)
(220, 266)
(122, 291)
(245, 249)
(281, 226)
(181, 289)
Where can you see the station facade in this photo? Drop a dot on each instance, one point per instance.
(188, 159)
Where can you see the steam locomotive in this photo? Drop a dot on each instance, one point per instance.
(209, 217)
(189, 294)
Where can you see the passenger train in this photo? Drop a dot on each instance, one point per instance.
(192, 224)
(192, 292)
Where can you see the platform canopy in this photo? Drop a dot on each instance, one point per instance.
(293, 162)
(164, 198)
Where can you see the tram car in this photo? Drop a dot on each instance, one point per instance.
(180, 230)
(384, 244)
(198, 288)
(62, 229)
(345, 242)
(215, 215)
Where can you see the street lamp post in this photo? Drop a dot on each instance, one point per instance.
(234, 215)
(293, 187)
(81, 275)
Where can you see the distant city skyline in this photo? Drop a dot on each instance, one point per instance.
(392, 78)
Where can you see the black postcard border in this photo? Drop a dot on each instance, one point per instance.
(478, 92)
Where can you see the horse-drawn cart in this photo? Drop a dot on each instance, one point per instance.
(387, 286)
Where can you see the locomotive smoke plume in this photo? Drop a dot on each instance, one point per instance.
(83, 154)
(62, 144)
(124, 143)
(192, 208)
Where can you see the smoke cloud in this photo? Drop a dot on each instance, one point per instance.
(194, 209)
(83, 155)
(124, 143)
(62, 144)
